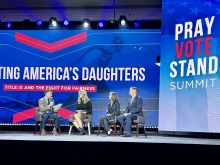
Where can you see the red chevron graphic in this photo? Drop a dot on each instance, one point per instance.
(30, 113)
(50, 47)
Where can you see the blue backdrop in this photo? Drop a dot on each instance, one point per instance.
(98, 49)
(190, 102)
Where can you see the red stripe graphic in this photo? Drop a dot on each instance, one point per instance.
(24, 115)
(50, 47)
(65, 113)
(31, 113)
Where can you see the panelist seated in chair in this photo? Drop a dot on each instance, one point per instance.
(133, 109)
(83, 110)
(48, 112)
(113, 110)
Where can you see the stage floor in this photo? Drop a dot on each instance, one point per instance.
(29, 136)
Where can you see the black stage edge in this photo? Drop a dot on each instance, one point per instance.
(57, 152)
(190, 134)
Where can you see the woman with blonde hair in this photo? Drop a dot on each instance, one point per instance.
(113, 110)
(83, 109)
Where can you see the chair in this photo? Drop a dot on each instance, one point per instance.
(85, 121)
(113, 122)
(141, 120)
(38, 119)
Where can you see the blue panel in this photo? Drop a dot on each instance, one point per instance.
(120, 59)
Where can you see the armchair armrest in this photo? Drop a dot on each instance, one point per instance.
(141, 120)
(100, 117)
(122, 112)
(71, 119)
(38, 115)
(116, 119)
(90, 118)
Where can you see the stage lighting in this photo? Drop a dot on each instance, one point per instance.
(53, 21)
(39, 23)
(158, 60)
(66, 22)
(101, 24)
(86, 23)
(26, 24)
(123, 20)
(136, 25)
(8, 25)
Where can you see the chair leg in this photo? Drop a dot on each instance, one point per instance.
(92, 130)
(35, 129)
(137, 129)
(89, 129)
(75, 130)
(59, 130)
(40, 127)
(70, 129)
(99, 129)
(120, 131)
(114, 129)
(145, 134)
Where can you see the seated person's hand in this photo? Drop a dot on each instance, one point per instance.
(51, 103)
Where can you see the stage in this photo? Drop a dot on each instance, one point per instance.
(20, 145)
(29, 136)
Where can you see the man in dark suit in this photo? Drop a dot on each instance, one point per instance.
(47, 111)
(133, 110)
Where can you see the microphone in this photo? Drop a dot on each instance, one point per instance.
(51, 99)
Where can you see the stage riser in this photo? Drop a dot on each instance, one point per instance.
(142, 152)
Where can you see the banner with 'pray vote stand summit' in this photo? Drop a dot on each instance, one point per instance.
(190, 76)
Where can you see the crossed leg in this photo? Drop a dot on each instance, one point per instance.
(78, 120)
